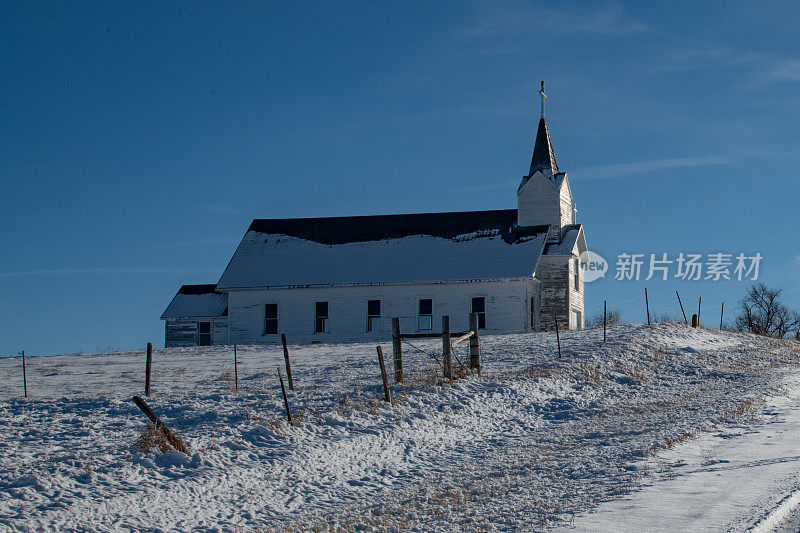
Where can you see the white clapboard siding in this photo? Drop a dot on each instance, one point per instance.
(507, 309)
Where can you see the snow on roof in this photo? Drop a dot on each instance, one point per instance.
(573, 235)
(197, 301)
(426, 248)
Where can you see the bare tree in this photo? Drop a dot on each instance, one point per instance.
(612, 318)
(762, 312)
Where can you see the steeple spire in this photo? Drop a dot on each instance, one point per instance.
(544, 157)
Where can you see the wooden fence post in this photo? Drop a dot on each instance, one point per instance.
(446, 348)
(647, 305)
(235, 371)
(604, 321)
(397, 349)
(286, 359)
(386, 393)
(285, 399)
(699, 302)
(24, 375)
(694, 321)
(558, 339)
(721, 312)
(173, 439)
(474, 344)
(682, 311)
(148, 365)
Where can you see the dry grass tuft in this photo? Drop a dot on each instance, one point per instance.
(151, 439)
(592, 373)
(746, 407)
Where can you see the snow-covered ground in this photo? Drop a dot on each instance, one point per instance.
(663, 427)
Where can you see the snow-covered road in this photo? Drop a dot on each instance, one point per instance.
(743, 477)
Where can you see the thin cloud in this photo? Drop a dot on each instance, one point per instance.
(640, 167)
(528, 19)
(762, 69)
(105, 270)
(615, 170)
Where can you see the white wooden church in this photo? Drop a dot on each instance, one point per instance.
(343, 279)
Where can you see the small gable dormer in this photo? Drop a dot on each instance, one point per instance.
(544, 196)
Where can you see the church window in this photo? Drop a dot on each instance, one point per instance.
(425, 320)
(479, 308)
(373, 315)
(270, 319)
(321, 317)
(576, 268)
(204, 333)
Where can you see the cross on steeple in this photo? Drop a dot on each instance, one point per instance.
(543, 97)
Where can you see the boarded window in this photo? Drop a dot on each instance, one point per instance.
(576, 267)
(373, 315)
(204, 333)
(479, 308)
(425, 319)
(576, 316)
(533, 313)
(321, 317)
(271, 319)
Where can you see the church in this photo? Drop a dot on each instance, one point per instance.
(343, 279)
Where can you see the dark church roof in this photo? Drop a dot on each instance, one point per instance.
(343, 230)
(385, 249)
(544, 157)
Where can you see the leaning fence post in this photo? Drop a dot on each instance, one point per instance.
(397, 348)
(24, 375)
(647, 305)
(474, 344)
(386, 393)
(558, 339)
(173, 439)
(446, 347)
(604, 321)
(285, 399)
(286, 359)
(682, 311)
(235, 371)
(148, 365)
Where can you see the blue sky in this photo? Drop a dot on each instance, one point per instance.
(139, 141)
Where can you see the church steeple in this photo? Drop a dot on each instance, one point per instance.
(544, 196)
(544, 157)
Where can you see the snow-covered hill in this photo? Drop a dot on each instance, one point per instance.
(535, 442)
